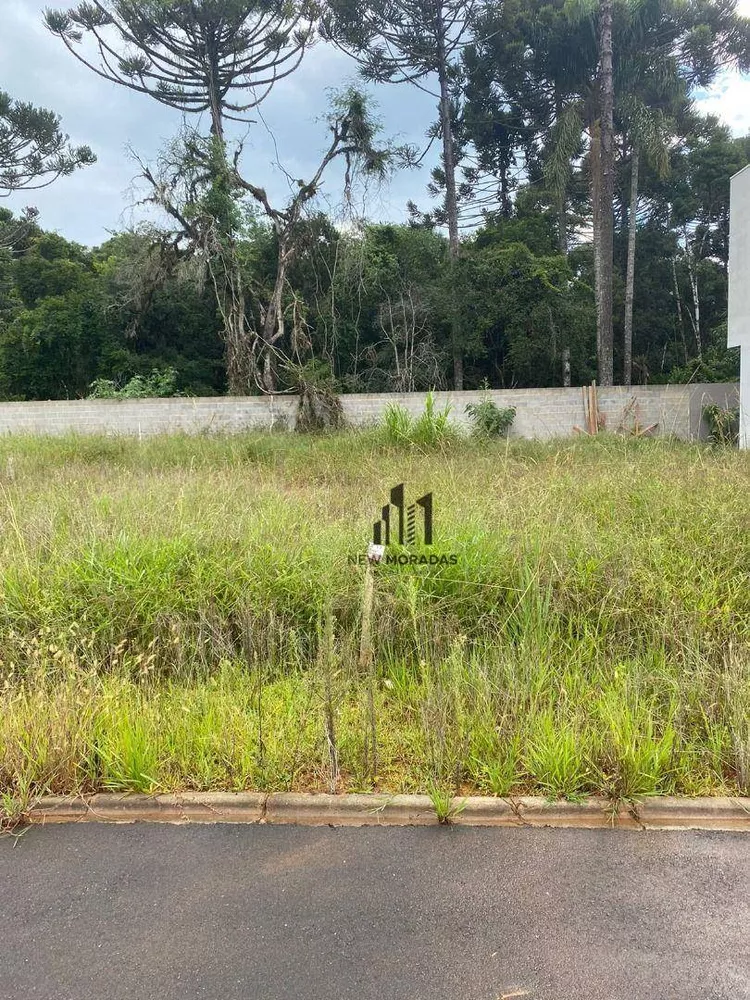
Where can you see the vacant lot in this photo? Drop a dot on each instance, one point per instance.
(186, 613)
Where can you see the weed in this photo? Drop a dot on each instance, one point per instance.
(183, 613)
(445, 806)
(432, 427)
(489, 419)
(556, 758)
(397, 424)
(723, 424)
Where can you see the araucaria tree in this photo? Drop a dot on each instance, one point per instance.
(417, 42)
(185, 187)
(575, 91)
(218, 57)
(34, 151)
(604, 189)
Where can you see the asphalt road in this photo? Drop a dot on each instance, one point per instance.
(291, 913)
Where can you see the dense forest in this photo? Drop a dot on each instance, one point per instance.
(576, 226)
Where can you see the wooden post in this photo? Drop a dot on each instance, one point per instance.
(367, 667)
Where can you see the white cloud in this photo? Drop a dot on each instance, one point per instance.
(729, 99)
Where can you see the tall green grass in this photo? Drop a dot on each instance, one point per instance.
(163, 604)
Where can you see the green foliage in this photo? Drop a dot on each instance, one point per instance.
(724, 424)
(34, 151)
(397, 424)
(52, 341)
(385, 307)
(556, 758)
(489, 419)
(158, 383)
(525, 308)
(718, 364)
(70, 316)
(446, 809)
(432, 427)
(521, 670)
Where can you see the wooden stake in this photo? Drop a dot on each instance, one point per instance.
(367, 667)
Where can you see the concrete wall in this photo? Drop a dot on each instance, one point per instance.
(540, 413)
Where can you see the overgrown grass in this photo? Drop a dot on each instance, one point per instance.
(184, 613)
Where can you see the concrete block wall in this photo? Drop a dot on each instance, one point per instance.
(548, 413)
(142, 417)
(540, 413)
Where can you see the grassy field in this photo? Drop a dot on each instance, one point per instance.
(185, 613)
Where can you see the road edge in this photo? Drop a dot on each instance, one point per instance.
(316, 809)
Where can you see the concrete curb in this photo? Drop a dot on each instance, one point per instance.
(186, 807)
(350, 810)
(309, 809)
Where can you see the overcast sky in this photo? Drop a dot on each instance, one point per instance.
(35, 66)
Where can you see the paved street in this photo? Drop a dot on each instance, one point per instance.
(275, 913)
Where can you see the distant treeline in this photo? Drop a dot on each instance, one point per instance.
(374, 307)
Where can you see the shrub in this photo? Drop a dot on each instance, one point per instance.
(489, 419)
(718, 364)
(158, 383)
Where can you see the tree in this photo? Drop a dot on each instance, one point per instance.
(648, 134)
(411, 41)
(51, 346)
(531, 70)
(692, 40)
(217, 56)
(603, 169)
(697, 200)
(530, 96)
(160, 312)
(353, 132)
(34, 151)
(552, 69)
(195, 192)
(403, 311)
(525, 305)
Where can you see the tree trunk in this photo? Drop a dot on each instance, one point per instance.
(238, 353)
(693, 271)
(562, 216)
(228, 280)
(596, 207)
(627, 351)
(506, 205)
(562, 239)
(273, 326)
(678, 302)
(562, 224)
(607, 190)
(451, 201)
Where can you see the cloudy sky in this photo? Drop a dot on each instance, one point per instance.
(35, 66)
